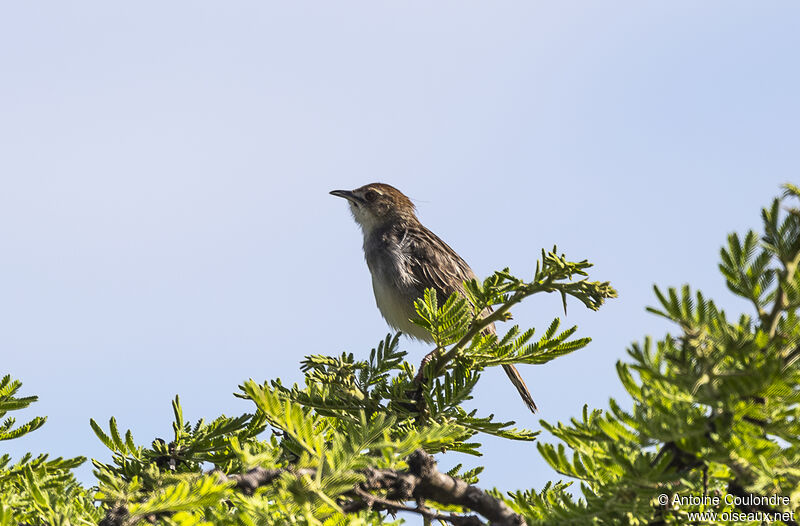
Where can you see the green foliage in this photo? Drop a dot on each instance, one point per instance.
(8, 402)
(715, 408)
(37, 490)
(465, 345)
(349, 417)
(715, 412)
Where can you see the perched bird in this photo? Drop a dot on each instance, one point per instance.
(405, 258)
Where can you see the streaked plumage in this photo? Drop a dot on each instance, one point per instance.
(405, 258)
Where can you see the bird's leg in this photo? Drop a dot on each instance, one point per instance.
(416, 394)
(419, 378)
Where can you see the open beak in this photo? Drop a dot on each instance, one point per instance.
(347, 194)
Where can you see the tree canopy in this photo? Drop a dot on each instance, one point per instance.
(710, 436)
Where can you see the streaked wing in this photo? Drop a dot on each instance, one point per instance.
(433, 263)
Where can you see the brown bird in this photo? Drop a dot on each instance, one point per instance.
(405, 258)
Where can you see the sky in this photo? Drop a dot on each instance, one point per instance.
(166, 227)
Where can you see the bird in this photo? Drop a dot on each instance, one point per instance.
(405, 258)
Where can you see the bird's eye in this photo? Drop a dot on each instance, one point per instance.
(370, 195)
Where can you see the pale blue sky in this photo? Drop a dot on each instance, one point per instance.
(165, 221)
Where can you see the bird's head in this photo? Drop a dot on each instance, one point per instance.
(376, 204)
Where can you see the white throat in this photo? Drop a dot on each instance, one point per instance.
(364, 219)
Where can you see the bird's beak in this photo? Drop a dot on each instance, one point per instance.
(347, 194)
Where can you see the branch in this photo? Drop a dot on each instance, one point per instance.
(781, 301)
(477, 326)
(115, 516)
(422, 481)
(548, 278)
(775, 315)
(443, 488)
(249, 482)
(378, 503)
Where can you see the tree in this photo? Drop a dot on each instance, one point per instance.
(715, 408)
(35, 490)
(714, 416)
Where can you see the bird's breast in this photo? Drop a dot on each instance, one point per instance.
(396, 308)
(394, 288)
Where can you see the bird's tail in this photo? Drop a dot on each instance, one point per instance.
(519, 383)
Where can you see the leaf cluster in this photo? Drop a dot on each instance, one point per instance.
(37, 489)
(714, 408)
(316, 447)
